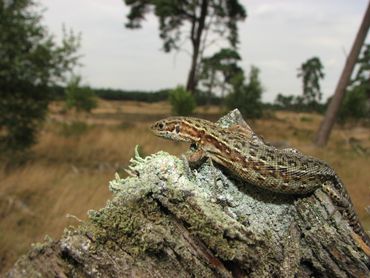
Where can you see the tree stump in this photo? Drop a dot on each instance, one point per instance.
(167, 220)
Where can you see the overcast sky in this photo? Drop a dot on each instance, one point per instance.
(277, 37)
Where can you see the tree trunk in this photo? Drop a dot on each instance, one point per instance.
(331, 113)
(192, 82)
(210, 88)
(168, 220)
(368, 94)
(196, 37)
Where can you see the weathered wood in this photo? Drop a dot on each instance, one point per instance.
(168, 220)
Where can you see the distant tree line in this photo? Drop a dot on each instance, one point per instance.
(201, 98)
(296, 103)
(135, 95)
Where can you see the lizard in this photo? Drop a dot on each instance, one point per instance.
(246, 155)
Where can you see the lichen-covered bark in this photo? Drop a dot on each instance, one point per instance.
(168, 220)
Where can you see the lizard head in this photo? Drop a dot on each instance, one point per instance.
(172, 128)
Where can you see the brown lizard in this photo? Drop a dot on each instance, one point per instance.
(245, 154)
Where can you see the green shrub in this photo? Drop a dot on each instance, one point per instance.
(247, 96)
(305, 119)
(354, 105)
(80, 97)
(182, 101)
(73, 129)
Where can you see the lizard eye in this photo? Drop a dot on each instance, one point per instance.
(160, 125)
(193, 146)
(177, 128)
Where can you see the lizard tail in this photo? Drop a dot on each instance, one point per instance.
(357, 227)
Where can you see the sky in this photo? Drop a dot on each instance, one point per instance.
(277, 37)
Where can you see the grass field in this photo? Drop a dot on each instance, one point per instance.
(68, 171)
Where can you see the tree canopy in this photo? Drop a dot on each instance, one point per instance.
(218, 71)
(193, 20)
(362, 75)
(30, 62)
(311, 73)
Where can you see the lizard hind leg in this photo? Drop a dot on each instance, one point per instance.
(341, 204)
(328, 188)
(346, 208)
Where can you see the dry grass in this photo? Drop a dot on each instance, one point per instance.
(70, 167)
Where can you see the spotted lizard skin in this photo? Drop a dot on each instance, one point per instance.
(248, 157)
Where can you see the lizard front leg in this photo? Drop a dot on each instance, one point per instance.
(195, 155)
(192, 159)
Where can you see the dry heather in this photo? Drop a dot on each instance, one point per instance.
(68, 170)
